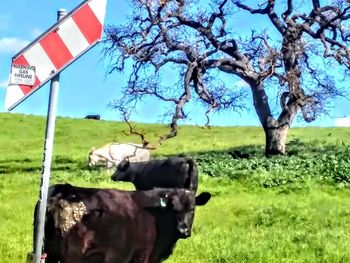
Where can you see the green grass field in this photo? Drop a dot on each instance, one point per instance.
(293, 208)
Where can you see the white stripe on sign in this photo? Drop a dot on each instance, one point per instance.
(72, 37)
(16, 95)
(99, 8)
(36, 56)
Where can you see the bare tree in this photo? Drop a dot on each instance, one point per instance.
(296, 55)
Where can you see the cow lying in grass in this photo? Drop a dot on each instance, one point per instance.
(112, 154)
(178, 172)
(88, 225)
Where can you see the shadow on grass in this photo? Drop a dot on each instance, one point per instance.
(231, 162)
(295, 148)
(60, 163)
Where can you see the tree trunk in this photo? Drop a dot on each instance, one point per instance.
(276, 131)
(276, 138)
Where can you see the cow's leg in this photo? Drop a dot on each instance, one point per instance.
(52, 250)
(51, 259)
(96, 257)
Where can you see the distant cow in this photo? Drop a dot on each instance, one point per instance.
(238, 155)
(178, 172)
(93, 117)
(90, 225)
(112, 154)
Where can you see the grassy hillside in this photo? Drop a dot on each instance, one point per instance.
(292, 208)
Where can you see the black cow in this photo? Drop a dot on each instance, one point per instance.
(239, 155)
(90, 225)
(93, 117)
(178, 172)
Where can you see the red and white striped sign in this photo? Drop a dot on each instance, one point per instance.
(54, 50)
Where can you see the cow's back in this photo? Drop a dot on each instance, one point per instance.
(135, 152)
(180, 172)
(113, 227)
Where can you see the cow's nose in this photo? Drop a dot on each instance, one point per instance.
(185, 231)
(114, 177)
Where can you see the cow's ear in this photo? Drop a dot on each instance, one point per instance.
(203, 198)
(123, 165)
(92, 150)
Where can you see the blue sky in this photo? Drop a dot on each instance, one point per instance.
(84, 86)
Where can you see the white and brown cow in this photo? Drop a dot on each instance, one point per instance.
(110, 155)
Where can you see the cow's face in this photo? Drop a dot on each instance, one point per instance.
(122, 174)
(94, 159)
(184, 203)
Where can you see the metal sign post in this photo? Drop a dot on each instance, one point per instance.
(42, 60)
(47, 159)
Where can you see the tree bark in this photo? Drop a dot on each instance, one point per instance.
(275, 140)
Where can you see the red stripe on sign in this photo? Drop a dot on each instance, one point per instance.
(21, 60)
(56, 50)
(26, 89)
(36, 82)
(88, 23)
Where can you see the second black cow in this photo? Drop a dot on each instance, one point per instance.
(178, 172)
